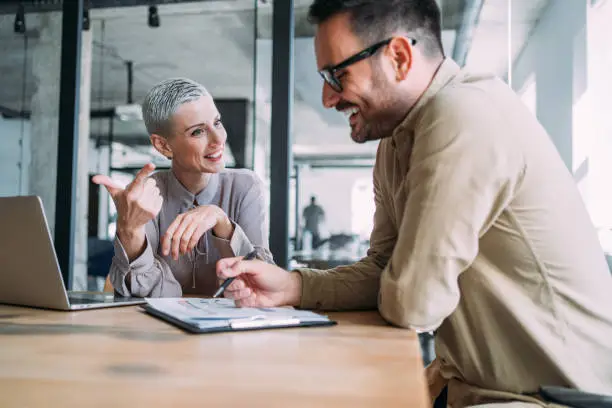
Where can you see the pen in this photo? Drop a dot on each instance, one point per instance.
(251, 255)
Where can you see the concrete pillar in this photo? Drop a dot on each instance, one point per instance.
(82, 190)
(46, 60)
(46, 65)
(14, 156)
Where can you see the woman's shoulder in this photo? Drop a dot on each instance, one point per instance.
(240, 180)
(160, 177)
(240, 176)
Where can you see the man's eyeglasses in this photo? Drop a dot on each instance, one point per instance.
(329, 74)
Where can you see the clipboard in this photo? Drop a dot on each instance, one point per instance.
(205, 315)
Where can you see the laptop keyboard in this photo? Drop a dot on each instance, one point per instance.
(89, 298)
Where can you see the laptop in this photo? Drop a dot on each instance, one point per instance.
(29, 271)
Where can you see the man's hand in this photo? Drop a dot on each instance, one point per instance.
(187, 229)
(138, 203)
(260, 284)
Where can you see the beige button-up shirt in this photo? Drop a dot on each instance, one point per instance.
(480, 232)
(239, 193)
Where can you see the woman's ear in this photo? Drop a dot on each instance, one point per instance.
(160, 144)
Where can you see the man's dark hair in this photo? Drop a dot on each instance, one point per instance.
(377, 20)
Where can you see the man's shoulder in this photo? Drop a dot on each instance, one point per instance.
(468, 95)
(383, 152)
(466, 105)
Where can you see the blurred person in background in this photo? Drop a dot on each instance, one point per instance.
(314, 217)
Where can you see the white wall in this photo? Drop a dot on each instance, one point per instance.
(565, 68)
(14, 156)
(597, 113)
(555, 59)
(333, 189)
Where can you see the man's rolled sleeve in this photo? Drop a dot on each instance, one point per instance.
(462, 176)
(343, 288)
(315, 288)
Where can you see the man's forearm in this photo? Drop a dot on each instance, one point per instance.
(134, 242)
(351, 287)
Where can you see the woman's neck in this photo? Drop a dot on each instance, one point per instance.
(193, 182)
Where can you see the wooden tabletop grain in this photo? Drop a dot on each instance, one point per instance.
(124, 357)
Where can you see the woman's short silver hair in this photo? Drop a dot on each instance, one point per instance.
(164, 99)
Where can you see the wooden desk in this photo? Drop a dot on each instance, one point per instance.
(123, 357)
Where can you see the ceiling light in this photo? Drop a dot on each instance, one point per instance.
(153, 17)
(20, 26)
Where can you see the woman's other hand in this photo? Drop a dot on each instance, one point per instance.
(187, 229)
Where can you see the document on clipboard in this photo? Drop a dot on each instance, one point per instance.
(205, 315)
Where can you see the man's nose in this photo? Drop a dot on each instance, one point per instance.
(330, 97)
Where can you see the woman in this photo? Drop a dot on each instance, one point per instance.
(173, 226)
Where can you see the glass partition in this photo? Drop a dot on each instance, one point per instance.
(133, 48)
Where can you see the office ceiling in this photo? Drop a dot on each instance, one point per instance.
(214, 42)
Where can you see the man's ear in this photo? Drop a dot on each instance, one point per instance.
(401, 54)
(160, 144)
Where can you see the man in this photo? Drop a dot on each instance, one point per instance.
(479, 232)
(313, 218)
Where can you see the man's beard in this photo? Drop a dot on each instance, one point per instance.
(383, 123)
(376, 129)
